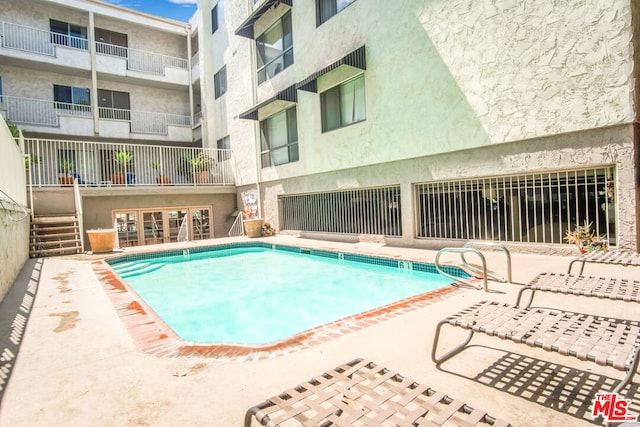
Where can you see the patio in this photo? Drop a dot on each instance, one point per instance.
(78, 364)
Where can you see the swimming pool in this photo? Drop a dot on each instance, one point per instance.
(254, 295)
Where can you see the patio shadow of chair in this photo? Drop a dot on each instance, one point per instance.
(551, 385)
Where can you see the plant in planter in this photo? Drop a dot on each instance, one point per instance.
(66, 166)
(585, 239)
(160, 179)
(252, 225)
(200, 166)
(122, 162)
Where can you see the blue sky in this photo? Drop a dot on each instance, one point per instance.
(180, 10)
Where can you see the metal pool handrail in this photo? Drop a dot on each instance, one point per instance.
(490, 245)
(462, 251)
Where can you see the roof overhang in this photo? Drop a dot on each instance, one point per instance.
(356, 59)
(246, 28)
(280, 101)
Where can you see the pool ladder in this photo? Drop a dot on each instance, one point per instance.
(468, 248)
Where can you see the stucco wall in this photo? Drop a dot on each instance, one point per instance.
(445, 76)
(14, 225)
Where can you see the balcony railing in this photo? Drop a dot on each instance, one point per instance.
(34, 40)
(55, 162)
(47, 113)
(140, 60)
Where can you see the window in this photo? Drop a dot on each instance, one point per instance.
(217, 16)
(65, 34)
(343, 105)
(113, 105)
(224, 144)
(275, 49)
(220, 82)
(71, 98)
(325, 9)
(279, 138)
(111, 43)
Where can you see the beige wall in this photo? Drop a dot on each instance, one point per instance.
(99, 204)
(14, 225)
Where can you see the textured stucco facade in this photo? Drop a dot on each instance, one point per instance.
(453, 90)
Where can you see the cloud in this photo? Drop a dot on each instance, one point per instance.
(184, 2)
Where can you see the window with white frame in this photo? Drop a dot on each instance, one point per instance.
(220, 82)
(274, 48)
(65, 34)
(325, 9)
(279, 138)
(217, 16)
(71, 98)
(344, 104)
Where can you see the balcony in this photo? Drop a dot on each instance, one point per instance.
(77, 119)
(41, 45)
(55, 163)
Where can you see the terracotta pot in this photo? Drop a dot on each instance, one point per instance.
(162, 180)
(201, 177)
(65, 180)
(102, 240)
(118, 179)
(253, 227)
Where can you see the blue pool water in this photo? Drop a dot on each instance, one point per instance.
(256, 295)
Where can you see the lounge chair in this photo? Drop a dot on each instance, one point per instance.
(615, 257)
(589, 286)
(604, 340)
(363, 393)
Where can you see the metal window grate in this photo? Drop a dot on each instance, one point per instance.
(364, 211)
(536, 208)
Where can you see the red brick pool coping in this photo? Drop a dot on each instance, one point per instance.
(153, 336)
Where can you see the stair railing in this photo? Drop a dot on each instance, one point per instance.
(237, 229)
(78, 202)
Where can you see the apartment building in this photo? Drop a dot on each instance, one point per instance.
(420, 121)
(111, 97)
(413, 123)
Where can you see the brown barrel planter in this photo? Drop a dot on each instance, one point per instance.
(252, 227)
(102, 240)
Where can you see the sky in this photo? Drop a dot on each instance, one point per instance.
(180, 10)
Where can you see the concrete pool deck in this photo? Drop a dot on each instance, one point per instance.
(79, 365)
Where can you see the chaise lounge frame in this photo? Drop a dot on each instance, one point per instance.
(615, 257)
(589, 286)
(361, 393)
(604, 340)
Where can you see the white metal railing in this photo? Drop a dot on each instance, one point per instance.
(141, 60)
(32, 111)
(47, 113)
(528, 208)
(94, 164)
(237, 228)
(363, 211)
(79, 214)
(35, 40)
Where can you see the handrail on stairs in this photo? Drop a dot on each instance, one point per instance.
(78, 202)
(462, 251)
(500, 246)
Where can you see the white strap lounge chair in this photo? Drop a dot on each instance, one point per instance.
(361, 393)
(604, 340)
(615, 257)
(589, 286)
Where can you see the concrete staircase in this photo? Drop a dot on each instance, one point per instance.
(53, 235)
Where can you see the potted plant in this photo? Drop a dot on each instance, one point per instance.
(160, 179)
(200, 166)
(66, 166)
(585, 239)
(252, 225)
(122, 161)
